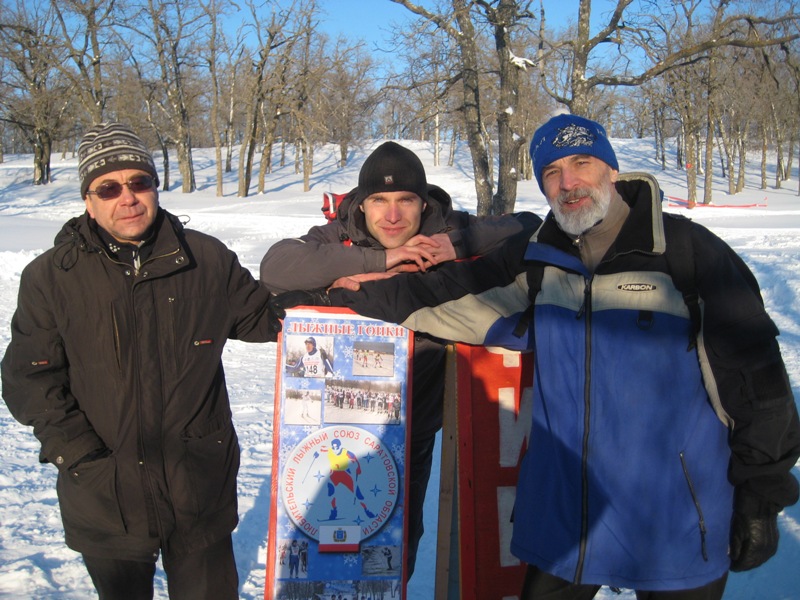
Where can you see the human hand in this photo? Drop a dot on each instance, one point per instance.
(754, 540)
(420, 252)
(278, 304)
(439, 244)
(353, 282)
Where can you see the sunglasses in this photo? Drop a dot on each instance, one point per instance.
(108, 190)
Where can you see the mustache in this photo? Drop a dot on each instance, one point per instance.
(575, 194)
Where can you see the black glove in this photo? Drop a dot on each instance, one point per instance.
(754, 539)
(278, 304)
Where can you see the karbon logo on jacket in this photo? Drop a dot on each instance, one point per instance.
(636, 287)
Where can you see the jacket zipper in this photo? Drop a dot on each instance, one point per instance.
(696, 502)
(117, 345)
(585, 309)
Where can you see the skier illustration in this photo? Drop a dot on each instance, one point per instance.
(341, 463)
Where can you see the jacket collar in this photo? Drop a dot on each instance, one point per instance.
(79, 236)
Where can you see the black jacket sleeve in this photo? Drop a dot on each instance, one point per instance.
(743, 354)
(36, 381)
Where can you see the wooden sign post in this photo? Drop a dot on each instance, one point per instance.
(491, 400)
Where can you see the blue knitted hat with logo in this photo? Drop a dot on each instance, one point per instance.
(564, 135)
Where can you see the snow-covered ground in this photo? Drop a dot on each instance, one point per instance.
(35, 563)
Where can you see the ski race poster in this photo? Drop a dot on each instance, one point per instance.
(336, 526)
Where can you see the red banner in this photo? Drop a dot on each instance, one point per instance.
(494, 420)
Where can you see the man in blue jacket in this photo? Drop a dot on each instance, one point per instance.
(664, 428)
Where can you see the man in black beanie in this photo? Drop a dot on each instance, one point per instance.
(394, 221)
(115, 360)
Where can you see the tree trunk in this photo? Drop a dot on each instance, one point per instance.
(307, 151)
(42, 150)
(246, 153)
(742, 141)
(264, 166)
(691, 169)
(508, 143)
(728, 149)
(708, 180)
(436, 138)
(764, 148)
(164, 161)
(473, 120)
(186, 165)
(451, 158)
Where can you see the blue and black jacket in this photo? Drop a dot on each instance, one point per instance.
(641, 444)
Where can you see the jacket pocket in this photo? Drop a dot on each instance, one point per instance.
(212, 462)
(89, 501)
(701, 521)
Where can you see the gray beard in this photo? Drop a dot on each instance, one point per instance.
(576, 222)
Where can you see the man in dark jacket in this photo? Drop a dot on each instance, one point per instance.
(664, 429)
(394, 221)
(115, 360)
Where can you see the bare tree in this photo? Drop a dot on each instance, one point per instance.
(35, 98)
(309, 126)
(504, 19)
(640, 54)
(85, 50)
(348, 96)
(173, 29)
(269, 38)
(214, 49)
(460, 25)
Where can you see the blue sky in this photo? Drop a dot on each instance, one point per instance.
(370, 19)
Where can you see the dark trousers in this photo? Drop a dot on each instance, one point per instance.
(543, 586)
(207, 574)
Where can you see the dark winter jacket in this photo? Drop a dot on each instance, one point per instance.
(640, 445)
(345, 247)
(102, 357)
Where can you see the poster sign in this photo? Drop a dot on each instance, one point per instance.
(494, 421)
(337, 511)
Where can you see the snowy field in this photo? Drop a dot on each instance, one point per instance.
(762, 225)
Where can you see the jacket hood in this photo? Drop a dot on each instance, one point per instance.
(354, 227)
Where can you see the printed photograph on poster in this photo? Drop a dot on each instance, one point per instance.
(351, 401)
(380, 560)
(373, 358)
(309, 356)
(339, 466)
(293, 558)
(303, 407)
